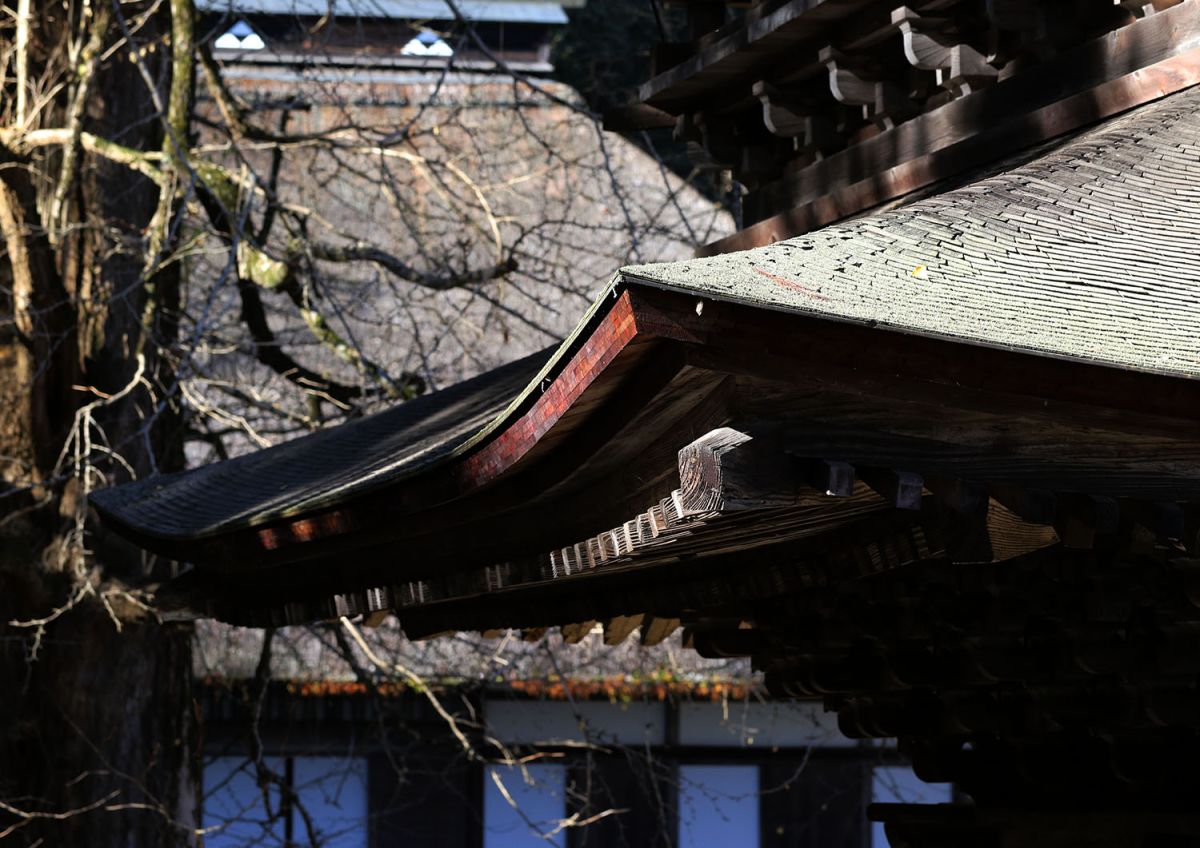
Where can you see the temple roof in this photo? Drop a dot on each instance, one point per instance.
(321, 468)
(1085, 254)
(974, 378)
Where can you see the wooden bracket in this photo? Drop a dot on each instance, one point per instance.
(727, 470)
(573, 634)
(782, 115)
(655, 630)
(617, 630)
(903, 489)
(788, 115)
(1081, 518)
(883, 102)
(532, 634)
(930, 46)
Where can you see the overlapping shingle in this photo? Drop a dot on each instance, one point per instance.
(1089, 253)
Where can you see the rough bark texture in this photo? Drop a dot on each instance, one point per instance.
(96, 742)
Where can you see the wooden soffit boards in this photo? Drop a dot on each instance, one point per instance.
(736, 54)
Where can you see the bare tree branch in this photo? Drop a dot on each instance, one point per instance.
(362, 252)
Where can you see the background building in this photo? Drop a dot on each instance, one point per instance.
(664, 747)
(385, 33)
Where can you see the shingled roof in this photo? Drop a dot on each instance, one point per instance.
(1086, 254)
(321, 468)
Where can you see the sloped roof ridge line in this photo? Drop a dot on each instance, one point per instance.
(117, 503)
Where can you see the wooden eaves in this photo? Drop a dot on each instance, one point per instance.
(713, 426)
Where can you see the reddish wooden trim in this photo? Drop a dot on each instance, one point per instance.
(731, 337)
(1079, 110)
(332, 523)
(721, 337)
(612, 334)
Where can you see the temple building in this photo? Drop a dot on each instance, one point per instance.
(374, 34)
(659, 746)
(919, 440)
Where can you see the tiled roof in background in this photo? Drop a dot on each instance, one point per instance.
(487, 11)
(310, 656)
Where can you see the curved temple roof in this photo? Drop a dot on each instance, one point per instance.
(1089, 253)
(321, 468)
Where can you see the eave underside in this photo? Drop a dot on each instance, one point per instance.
(777, 101)
(1012, 428)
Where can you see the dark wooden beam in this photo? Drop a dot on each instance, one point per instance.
(904, 489)
(1081, 518)
(728, 471)
(635, 117)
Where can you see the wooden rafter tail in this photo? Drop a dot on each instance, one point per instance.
(1010, 535)
(573, 634)
(727, 470)
(619, 628)
(1080, 519)
(656, 630)
(902, 489)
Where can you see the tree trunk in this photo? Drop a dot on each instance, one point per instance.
(96, 715)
